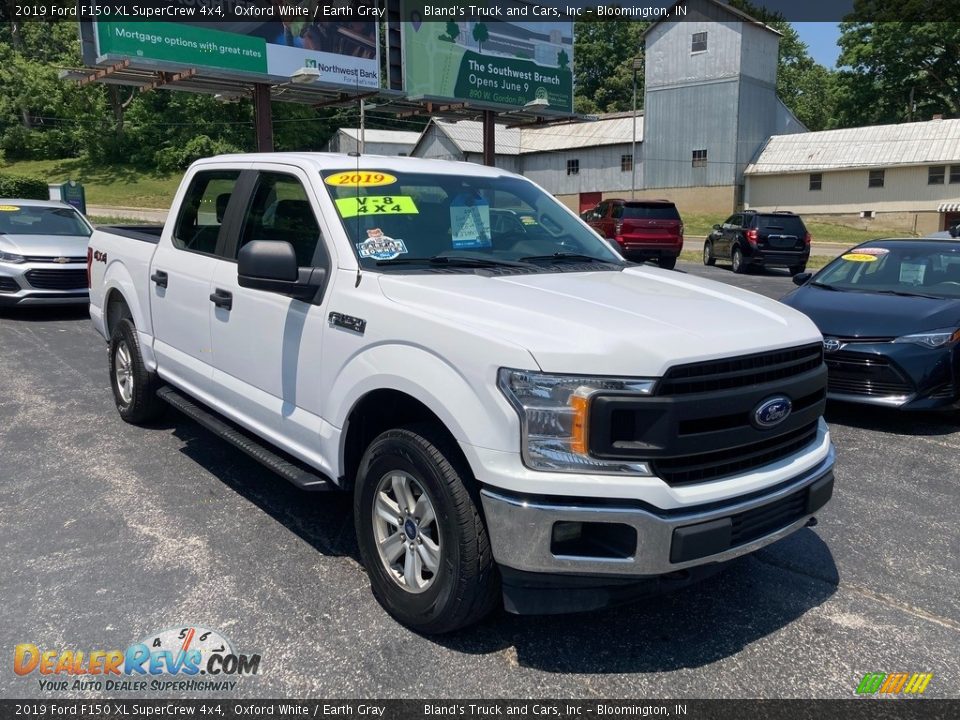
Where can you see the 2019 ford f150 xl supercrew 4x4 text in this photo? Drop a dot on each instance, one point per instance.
(518, 411)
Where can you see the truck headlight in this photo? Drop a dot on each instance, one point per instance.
(933, 338)
(554, 415)
(11, 257)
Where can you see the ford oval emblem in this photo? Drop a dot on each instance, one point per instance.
(772, 411)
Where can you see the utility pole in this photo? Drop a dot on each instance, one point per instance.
(637, 65)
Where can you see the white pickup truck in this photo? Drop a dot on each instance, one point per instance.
(519, 412)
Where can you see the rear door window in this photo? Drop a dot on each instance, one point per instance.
(203, 210)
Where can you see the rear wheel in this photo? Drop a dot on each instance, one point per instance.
(420, 533)
(708, 258)
(134, 386)
(667, 263)
(736, 261)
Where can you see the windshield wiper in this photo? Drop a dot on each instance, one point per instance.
(455, 261)
(825, 286)
(564, 256)
(906, 294)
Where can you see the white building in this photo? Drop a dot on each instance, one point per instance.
(905, 176)
(375, 142)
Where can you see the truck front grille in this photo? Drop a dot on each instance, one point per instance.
(740, 371)
(688, 469)
(57, 279)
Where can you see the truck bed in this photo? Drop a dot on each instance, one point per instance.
(143, 233)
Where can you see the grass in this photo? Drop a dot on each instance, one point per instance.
(109, 185)
(815, 262)
(117, 220)
(698, 225)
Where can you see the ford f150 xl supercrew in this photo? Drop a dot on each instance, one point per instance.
(521, 415)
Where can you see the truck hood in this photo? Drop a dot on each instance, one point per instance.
(45, 245)
(637, 322)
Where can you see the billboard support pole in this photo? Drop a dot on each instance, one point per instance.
(489, 138)
(263, 117)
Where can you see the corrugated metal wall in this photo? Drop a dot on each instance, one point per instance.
(599, 169)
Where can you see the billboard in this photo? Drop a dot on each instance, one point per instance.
(344, 53)
(500, 63)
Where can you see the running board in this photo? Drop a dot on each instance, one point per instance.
(294, 471)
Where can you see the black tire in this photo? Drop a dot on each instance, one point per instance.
(466, 587)
(797, 269)
(137, 402)
(708, 258)
(736, 261)
(667, 263)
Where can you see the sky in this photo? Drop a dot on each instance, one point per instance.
(821, 39)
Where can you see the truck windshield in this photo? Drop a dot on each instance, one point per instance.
(41, 220)
(399, 220)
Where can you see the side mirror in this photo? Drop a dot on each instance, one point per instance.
(955, 229)
(717, 227)
(272, 266)
(802, 278)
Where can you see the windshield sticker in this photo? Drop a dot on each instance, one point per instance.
(366, 178)
(528, 220)
(380, 247)
(470, 222)
(878, 251)
(376, 205)
(9, 208)
(912, 273)
(859, 257)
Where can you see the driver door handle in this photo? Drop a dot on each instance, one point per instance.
(222, 299)
(160, 278)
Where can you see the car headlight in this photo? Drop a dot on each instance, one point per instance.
(933, 338)
(555, 418)
(11, 257)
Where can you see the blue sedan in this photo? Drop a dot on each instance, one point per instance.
(889, 311)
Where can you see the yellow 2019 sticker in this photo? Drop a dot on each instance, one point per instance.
(859, 257)
(376, 205)
(8, 208)
(363, 178)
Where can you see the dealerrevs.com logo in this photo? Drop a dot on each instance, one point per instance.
(173, 660)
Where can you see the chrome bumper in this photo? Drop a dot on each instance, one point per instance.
(521, 529)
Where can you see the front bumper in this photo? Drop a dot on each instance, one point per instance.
(59, 284)
(531, 533)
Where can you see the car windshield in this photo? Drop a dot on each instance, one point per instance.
(638, 211)
(41, 220)
(783, 224)
(931, 270)
(400, 221)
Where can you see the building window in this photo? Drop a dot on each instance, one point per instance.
(816, 181)
(698, 42)
(699, 158)
(954, 174)
(626, 163)
(936, 175)
(876, 179)
(573, 167)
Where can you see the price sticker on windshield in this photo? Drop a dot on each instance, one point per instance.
(365, 178)
(9, 208)
(376, 205)
(859, 257)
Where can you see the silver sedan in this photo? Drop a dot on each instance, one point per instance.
(43, 253)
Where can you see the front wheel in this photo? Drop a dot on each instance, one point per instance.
(736, 261)
(134, 386)
(420, 532)
(708, 258)
(667, 262)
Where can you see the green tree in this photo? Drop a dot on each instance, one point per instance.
(603, 65)
(481, 35)
(453, 31)
(563, 60)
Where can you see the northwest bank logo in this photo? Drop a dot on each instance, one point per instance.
(185, 652)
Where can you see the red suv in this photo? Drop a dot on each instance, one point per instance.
(643, 229)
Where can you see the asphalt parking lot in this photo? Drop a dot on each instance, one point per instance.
(109, 532)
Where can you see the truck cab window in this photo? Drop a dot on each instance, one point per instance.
(281, 211)
(203, 210)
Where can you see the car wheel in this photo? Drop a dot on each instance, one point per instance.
(736, 260)
(667, 263)
(134, 386)
(420, 532)
(708, 258)
(797, 269)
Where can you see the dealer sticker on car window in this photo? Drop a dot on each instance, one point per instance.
(380, 247)
(9, 208)
(365, 178)
(470, 222)
(349, 207)
(859, 257)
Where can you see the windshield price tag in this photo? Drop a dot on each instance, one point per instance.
(349, 207)
(860, 257)
(360, 179)
(470, 222)
(8, 208)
